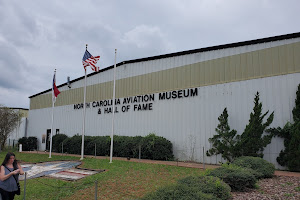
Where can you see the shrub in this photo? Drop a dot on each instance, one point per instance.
(28, 144)
(238, 178)
(102, 145)
(57, 142)
(178, 192)
(72, 145)
(263, 168)
(153, 147)
(123, 146)
(207, 184)
(156, 148)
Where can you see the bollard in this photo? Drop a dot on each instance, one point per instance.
(95, 150)
(20, 148)
(96, 187)
(25, 186)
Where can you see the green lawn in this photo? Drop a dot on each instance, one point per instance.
(121, 180)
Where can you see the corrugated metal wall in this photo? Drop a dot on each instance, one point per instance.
(224, 78)
(186, 122)
(255, 64)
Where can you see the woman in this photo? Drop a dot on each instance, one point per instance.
(9, 175)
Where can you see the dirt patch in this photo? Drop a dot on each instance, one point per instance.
(277, 188)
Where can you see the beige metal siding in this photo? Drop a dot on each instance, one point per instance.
(257, 64)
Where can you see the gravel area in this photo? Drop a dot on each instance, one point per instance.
(276, 188)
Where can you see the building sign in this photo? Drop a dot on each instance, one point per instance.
(137, 103)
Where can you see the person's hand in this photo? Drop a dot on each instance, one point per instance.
(17, 171)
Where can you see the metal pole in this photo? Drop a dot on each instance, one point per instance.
(140, 149)
(53, 102)
(203, 158)
(25, 186)
(83, 125)
(113, 110)
(96, 187)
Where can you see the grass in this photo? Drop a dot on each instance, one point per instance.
(121, 180)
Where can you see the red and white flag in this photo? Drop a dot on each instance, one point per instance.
(89, 60)
(55, 91)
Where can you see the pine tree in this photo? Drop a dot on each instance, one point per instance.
(223, 142)
(290, 155)
(253, 141)
(296, 110)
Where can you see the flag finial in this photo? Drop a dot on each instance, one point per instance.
(86, 46)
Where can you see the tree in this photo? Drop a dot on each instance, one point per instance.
(9, 120)
(225, 141)
(296, 110)
(290, 155)
(253, 140)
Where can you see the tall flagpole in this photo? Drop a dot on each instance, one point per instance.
(113, 110)
(83, 124)
(52, 116)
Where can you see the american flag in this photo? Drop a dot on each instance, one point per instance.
(89, 60)
(55, 91)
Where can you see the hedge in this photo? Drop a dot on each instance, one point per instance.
(178, 192)
(28, 143)
(238, 178)
(156, 148)
(207, 184)
(152, 146)
(57, 141)
(263, 168)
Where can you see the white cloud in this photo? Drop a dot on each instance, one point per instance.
(147, 39)
(38, 36)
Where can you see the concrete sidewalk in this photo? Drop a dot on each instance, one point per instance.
(173, 163)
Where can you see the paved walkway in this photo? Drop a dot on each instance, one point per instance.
(173, 163)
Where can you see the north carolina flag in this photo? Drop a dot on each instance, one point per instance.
(55, 91)
(89, 60)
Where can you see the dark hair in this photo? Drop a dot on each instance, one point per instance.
(7, 157)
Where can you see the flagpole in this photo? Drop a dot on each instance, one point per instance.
(113, 110)
(84, 106)
(52, 117)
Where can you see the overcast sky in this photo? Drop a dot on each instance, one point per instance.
(38, 36)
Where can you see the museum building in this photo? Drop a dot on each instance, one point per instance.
(179, 96)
